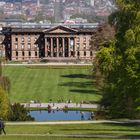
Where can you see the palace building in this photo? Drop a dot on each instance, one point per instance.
(28, 42)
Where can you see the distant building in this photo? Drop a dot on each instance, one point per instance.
(92, 2)
(58, 8)
(6, 22)
(31, 42)
(38, 3)
(2, 47)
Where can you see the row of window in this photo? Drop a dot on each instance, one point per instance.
(23, 53)
(23, 38)
(78, 46)
(28, 46)
(85, 53)
(29, 53)
(84, 39)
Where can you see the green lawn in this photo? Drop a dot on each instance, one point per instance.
(47, 138)
(87, 129)
(42, 83)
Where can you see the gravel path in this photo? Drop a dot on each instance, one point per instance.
(74, 122)
(48, 64)
(59, 105)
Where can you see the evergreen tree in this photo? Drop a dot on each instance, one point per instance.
(4, 104)
(19, 113)
(119, 62)
(4, 90)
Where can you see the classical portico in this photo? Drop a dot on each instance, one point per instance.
(60, 42)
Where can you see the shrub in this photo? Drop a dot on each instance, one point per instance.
(19, 113)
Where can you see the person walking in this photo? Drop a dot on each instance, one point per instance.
(2, 126)
(82, 115)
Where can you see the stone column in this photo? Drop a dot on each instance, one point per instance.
(46, 47)
(63, 40)
(75, 47)
(57, 45)
(69, 51)
(51, 47)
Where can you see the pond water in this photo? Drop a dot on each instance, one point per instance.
(45, 115)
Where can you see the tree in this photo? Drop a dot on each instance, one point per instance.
(39, 17)
(4, 80)
(4, 104)
(90, 17)
(104, 34)
(19, 113)
(119, 63)
(4, 90)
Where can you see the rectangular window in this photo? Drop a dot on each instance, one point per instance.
(84, 39)
(29, 46)
(29, 38)
(91, 54)
(35, 45)
(16, 53)
(35, 53)
(22, 53)
(84, 45)
(16, 46)
(35, 38)
(16, 39)
(78, 45)
(29, 53)
(78, 53)
(78, 39)
(22, 46)
(84, 53)
(22, 38)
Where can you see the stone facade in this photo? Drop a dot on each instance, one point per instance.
(2, 48)
(60, 42)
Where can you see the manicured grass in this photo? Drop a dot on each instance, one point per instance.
(84, 129)
(87, 129)
(58, 84)
(105, 129)
(46, 138)
(73, 109)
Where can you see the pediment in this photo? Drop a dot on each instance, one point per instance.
(60, 29)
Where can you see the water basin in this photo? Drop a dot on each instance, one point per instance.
(45, 115)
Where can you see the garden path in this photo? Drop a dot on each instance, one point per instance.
(59, 105)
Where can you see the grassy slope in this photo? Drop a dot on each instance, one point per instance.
(47, 83)
(113, 129)
(46, 138)
(97, 129)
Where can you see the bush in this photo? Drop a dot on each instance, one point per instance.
(19, 113)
